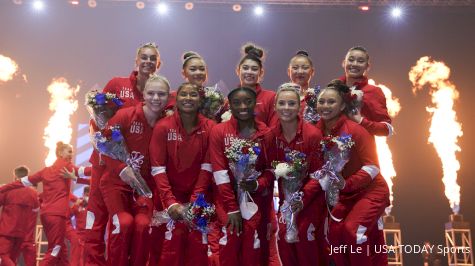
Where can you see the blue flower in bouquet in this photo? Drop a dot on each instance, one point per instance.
(201, 222)
(117, 135)
(257, 150)
(200, 201)
(117, 102)
(100, 98)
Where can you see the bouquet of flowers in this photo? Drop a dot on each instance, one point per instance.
(310, 113)
(110, 142)
(355, 99)
(242, 155)
(102, 106)
(292, 171)
(336, 151)
(196, 215)
(214, 103)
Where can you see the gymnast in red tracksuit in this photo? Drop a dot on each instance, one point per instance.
(129, 90)
(55, 204)
(181, 170)
(301, 72)
(373, 115)
(250, 72)
(19, 206)
(131, 215)
(364, 194)
(291, 132)
(240, 241)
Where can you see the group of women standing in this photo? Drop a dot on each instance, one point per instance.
(181, 153)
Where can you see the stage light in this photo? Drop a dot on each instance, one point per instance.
(38, 5)
(162, 8)
(259, 10)
(92, 3)
(237, 7)
(189, 6)
(74, 2)
(396, 12)
(140, 5)
(363, 8)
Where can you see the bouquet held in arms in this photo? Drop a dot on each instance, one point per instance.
(336, 152)
(110, 142)
(102, 106)
(197, 215)
(291, 172)
(242, 155)
(214, 104)
(310, 112)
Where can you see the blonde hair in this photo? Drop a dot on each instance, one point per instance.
(150, 45)
(157, 78)
(289, 86)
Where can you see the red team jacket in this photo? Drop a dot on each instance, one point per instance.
(20, 209)
(264, 109)
(56, 189)
(307, 140)
(361, 173)
(219, 141)
(137, 134)
(374, 111)
(180, 161)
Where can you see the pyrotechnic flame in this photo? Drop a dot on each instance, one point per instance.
(444, 129)
(63, 105)
(384, 153)
(8, 68)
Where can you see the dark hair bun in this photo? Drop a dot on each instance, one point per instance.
(253, 50)
(189, 55)
(302, 52)
(339, 85)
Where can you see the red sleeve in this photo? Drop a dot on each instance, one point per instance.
(158, 160)
(378, 122)
(82, 172)
(2, 199)
(315, 161)
(24, 181)
(365, 149)
(266, 179)
(204, 178)
(120, 118)
(221, 177)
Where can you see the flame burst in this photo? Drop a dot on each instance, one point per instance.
(444, 129)
(384, 153)
(8, 68)
(63, 105)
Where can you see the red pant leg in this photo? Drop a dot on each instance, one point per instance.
(7, 246)
(352, 232)
(142, 212)
(213, 244)
(156, 240)
(55, 230)
(74, 244)
(96, 222)
(28, 249)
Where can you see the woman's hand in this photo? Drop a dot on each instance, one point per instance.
(296, 206)
(355, 115)
(235, 222)
(176, 211)
(68, 175)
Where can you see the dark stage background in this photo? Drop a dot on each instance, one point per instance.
(90, 46)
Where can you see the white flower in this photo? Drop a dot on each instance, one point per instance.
(282, 169)
(226, 116)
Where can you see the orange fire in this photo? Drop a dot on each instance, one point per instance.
(384, 153)
(63, 105)
(444, 129)
(8, 68)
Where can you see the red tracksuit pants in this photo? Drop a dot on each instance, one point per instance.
(28, 250)
(183, 246)
(130, 225)
(76, 246)
(311, 249)
(244, 249)
(352, 232)
(97, 217)
(55, 230)
(8, 248)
